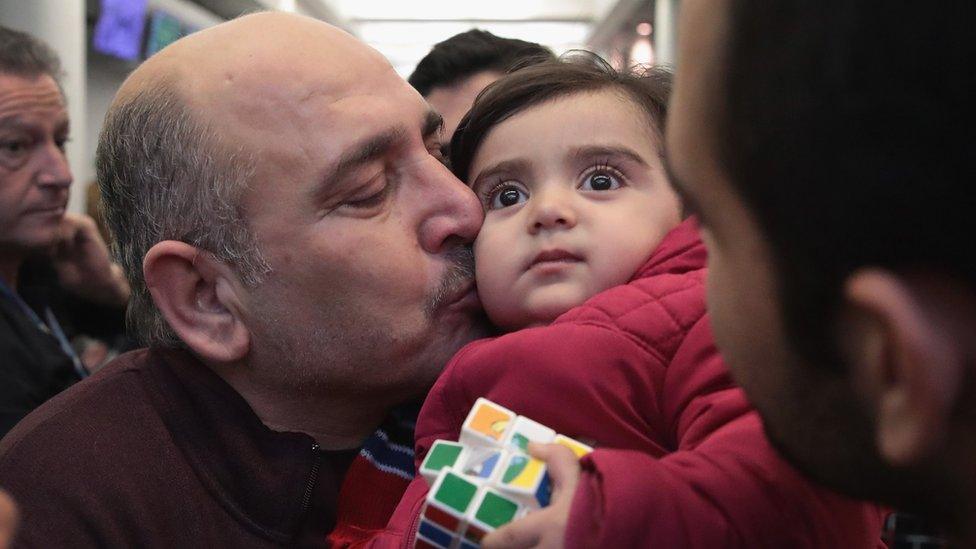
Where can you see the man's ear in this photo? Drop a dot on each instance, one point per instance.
(198, 297)
(907, 342)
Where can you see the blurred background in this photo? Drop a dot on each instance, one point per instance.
(101, 41)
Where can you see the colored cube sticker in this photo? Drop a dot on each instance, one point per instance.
(423, 543)
(526, 479)
(442, 518)
(434, 534)
(490, 511)
(524, 431)
(486, 479)
(487, 424)
(452, 493)
(493, 510)
(442, 454)
(577, 447)
(483, 463)
(473, 534)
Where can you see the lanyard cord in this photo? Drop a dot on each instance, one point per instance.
(52, 327)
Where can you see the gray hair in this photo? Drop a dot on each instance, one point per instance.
(165, 176)
(23, 55)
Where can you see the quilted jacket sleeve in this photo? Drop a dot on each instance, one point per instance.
(546, 374)
(723, 486)
(681, 461)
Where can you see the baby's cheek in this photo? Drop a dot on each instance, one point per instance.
(623, 262)
(493, 279)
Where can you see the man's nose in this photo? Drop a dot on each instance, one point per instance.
(550, 209)
(452, 211)
(53, 169)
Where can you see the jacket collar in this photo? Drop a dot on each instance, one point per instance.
(681, 251)
(267, 480)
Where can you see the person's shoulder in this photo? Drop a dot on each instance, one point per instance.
(82, 414)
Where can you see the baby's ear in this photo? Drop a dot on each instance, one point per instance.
(198, 296)
(908, 343)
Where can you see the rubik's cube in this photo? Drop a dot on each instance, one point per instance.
(486, 479)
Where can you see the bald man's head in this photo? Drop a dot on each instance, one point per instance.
(188, 128)
(231, 70)
(306, 172)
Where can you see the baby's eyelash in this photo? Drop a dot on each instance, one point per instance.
(602, 165)
(490, 190)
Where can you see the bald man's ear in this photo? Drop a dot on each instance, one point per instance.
(199, 298)
(908, 343)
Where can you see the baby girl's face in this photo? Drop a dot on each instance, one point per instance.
(576, 200)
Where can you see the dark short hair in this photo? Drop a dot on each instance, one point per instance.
(23, 55)
(469, 53)
(846, 128)
(578, 72)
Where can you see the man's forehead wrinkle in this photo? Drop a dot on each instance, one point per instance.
(12, 105)
(35, 98)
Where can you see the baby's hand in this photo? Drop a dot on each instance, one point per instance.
(545, 527)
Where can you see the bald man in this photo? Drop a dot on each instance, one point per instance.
(297, 254)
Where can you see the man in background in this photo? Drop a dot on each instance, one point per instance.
(44, 252)
(455, 71)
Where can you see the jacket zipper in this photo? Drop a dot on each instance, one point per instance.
(410, 539)
(313, 476)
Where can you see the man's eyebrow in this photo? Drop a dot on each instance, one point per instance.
(365, 151)
(591, 151)
(513, 165)
(433, 123)
(371, 148)
(14, 122)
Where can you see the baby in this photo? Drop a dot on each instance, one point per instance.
(585, 261)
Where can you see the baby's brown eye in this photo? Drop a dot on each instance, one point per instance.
(600, 182)
(509, 197)
(505, 196)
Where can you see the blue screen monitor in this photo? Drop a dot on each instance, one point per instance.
(119, 28)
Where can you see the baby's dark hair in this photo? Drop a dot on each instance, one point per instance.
(576, 72)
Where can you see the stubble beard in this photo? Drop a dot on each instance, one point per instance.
(460, 273)
(828, 435)
(324, 358)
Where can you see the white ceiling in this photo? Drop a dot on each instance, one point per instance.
(405, 30)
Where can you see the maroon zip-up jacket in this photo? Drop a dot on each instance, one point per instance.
(155, 450)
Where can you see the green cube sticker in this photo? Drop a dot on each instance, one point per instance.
(441, 455)
(515, 467)
(521, 441)
(496, 510)
(455, 492)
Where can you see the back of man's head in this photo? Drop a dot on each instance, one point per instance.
(23, 55)
(471, 52)
(847, 129)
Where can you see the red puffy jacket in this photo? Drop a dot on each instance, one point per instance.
(681, 458)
